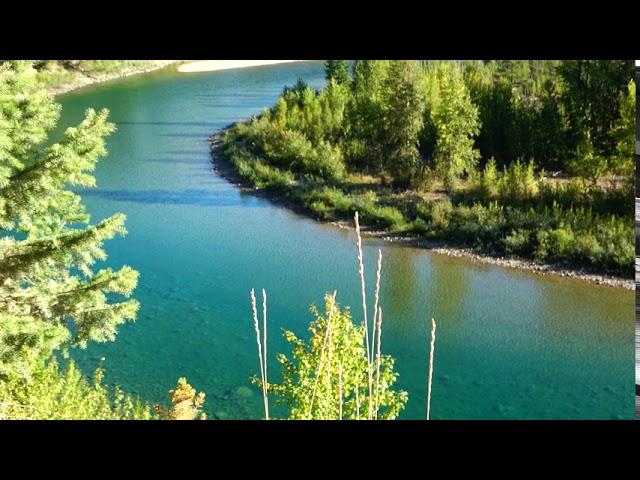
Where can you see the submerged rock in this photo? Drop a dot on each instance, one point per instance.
(243, 392)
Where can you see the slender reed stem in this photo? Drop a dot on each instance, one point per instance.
(375, 325)
(324, 346)
(357, 399)
(260, 357)
(433, 344)
(378, 344)
(375, 303)
(364, 309)
(264, 357)
(340, 388)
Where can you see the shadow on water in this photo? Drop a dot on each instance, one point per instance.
(236, 96)
(449, 287)
(206, 198)
(189, 152)
(226, 106)
(171, 124)
(187, 161)
(203, 135)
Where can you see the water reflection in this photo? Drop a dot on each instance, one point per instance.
(449, 285)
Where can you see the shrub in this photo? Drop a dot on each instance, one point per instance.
(308, 386)
(518, 182)
(50, 393)
(440, 214)
(383, 216)
(518, 243)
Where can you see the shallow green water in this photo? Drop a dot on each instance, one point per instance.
(510, 344)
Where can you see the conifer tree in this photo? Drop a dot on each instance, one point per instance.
(404, 106)
(51, 294)
(338, 71)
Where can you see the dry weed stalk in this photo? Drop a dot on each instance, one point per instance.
(262, 358)
(264, 349)
(340, 388)
(364, 310)
(433, 344)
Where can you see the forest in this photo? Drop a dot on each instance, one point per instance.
(529, 159)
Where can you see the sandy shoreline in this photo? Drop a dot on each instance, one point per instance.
(183, 66)
(226, 170)
(213, 65)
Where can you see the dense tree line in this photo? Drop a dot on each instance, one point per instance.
(384, 135)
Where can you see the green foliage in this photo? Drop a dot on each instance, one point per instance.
(517, 183)
(455, 121)
(403, 120)
(329, 372)
(337, 71)
(625, 134)
(47, 257)
(49, 393)
(400, 125)
(587, 163)
(365, 115)
(590, 99)
(573, 235)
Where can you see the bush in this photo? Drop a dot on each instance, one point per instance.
(326, 161)
(518, 182)
(587, 248)
(518, 243)
(260, 174)
(50, 394)
(440, 214)
(344, 357)
(383, 216)
(328, 202)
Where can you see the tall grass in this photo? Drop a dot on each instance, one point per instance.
(364, 308)
(431, 350)
(261, 346)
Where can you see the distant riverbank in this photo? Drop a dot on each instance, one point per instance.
(224, 168)
(77, 79)
(212, 65)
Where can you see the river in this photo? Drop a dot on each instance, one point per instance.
(510, 344)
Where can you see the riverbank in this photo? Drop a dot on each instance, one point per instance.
(79, 79)
(226, 170)
(213, 65)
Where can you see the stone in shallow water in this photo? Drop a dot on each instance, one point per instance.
(243, 392)
(220, 415)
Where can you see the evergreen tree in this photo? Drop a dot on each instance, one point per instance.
(50, 294)
(365, 114)
(404, 105)
(337, 71)
(455, 120)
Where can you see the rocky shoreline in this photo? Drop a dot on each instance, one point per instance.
(85, 80)
(226, 170)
